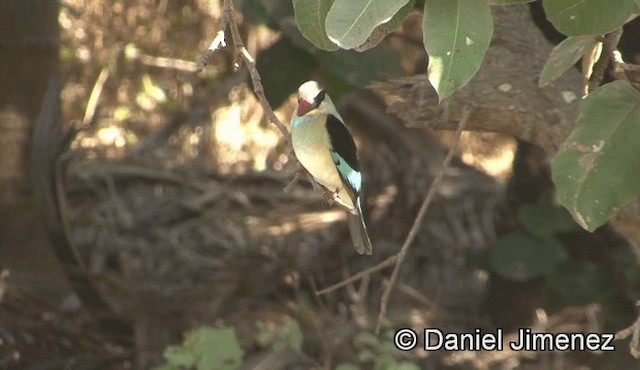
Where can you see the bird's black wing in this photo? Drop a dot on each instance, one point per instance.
(345, 154)
(342, 141)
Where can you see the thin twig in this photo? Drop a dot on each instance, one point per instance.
(384, 301)
(218, 41)
(92, 104)
(634, 331)
(249, 62)
(382, 265)
(132, 52)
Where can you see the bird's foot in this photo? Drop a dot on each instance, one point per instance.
(301, 174)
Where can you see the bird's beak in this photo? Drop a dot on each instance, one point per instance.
(303, 107)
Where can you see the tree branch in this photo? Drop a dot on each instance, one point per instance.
(504, 94)
(219, 42)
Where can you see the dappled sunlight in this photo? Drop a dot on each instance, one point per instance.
(242, 140)
(488, 152)
(295, 222)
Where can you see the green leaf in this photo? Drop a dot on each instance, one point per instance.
(588, 17)
(508, 2)
(206, 348)
(522, 257)
(365, 338)
(286, 334)
(597, 169)
(546, 217)
(310, 16)
(380, 32)
(281, 77)
(350, 22)
(347, 366)
(564, 56)
(361, 69)
(580, 283)
(178, 357)
(406, 366)
(456, 36)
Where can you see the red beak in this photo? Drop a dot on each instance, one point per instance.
(303, 107)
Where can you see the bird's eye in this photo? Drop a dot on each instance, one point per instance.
(319, 98)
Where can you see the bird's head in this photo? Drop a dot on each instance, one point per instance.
(310, 96)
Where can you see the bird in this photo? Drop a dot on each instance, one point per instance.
(324, 146)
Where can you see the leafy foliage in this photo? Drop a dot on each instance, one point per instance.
(285, 335)
(534, 251)
(350, 22)
(350, 68)
(521, 257)
(597, 170)
(205, 348)
(508, 2)
(564, 56)
(579, 283)
(379, 353)
(381, 31)
(311, 16)
(589, 17)
(546, 217)
(456, 36)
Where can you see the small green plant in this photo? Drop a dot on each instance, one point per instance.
(379, 353)
(285, 335)
(208, 348)
(205, 348)
(535, 250)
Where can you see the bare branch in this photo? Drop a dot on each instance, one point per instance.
(132, 52)
(384, 301)
(249, 62)
(634, 331)
(362, 274)
(218, 41)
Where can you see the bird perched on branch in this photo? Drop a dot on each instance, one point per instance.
(326, 149)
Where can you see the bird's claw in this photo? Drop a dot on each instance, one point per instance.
(330, 197)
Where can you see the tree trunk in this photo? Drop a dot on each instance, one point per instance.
(28, 58)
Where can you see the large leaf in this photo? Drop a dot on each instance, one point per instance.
(311, 16)
(589, 17)
(380, 32)
(597, 170)
(522, 257)
(456, 36)
(281, 77)
(564, 56)
(350, 22)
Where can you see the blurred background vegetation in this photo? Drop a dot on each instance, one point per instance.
(170, 186)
